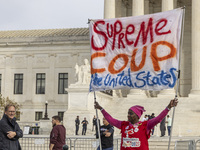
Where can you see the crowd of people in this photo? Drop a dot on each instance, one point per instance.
(134, 133)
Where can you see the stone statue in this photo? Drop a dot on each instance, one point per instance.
(86, 71)
(83, 73)
(78, 74)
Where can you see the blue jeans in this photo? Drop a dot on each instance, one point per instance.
(152, 131)
(169, 130)
(110, 148)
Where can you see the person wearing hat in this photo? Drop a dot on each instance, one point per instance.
(135, 133)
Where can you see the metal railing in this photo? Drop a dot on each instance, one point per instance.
(197, 145)
(34, 143)
(185, 145)
(38, 142)
(74, 143)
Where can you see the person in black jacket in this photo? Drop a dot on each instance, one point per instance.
(10, 131)
(106, 132)
(162, 127)
(94, 120)
(151, 117)
(77, 123)
(84, 122)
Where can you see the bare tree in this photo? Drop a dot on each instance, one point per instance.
(4, 101)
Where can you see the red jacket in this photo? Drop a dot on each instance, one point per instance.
(134, 137)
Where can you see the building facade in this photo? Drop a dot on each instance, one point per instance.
(39, 65)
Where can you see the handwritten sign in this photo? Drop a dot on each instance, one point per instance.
(135, 52)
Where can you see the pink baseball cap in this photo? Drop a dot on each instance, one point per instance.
(138, 110)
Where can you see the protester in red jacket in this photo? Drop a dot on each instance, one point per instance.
(135, 133)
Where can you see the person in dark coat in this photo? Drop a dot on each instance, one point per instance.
(77, 123)
(151, 117)
(84, 122)
(94, 120)
(10, 131)
(162, 127)
(106, 133)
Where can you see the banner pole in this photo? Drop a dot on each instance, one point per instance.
(177, 88)
(98, 123)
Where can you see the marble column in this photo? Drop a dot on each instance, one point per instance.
(137, 10)
(175, 4)
(167, 5)
(118, 7)
(8, 77)
(195, 48)
(137, 7)
(29, 85)
(109, 9)
(51, 86)
(146, 7)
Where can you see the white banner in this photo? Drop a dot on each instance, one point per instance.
(135, 52)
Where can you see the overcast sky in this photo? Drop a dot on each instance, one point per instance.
(48, 14)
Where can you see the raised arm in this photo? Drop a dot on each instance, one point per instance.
(108, 117)
(152, 122)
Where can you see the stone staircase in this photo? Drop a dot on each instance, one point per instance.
(160, 143)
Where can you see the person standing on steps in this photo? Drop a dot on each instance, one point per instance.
(134, 133)
(94, 122)
(169, 124)
(77, 123)
(84, 122)
(151, 117)
(162, 127)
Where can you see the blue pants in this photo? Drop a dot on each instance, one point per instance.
(84, 130)
(110, 148)
(152, 130)
(169, 130)
(77, 128)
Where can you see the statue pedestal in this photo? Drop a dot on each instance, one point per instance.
(45, 127)
(80, 103)
(78, 97)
